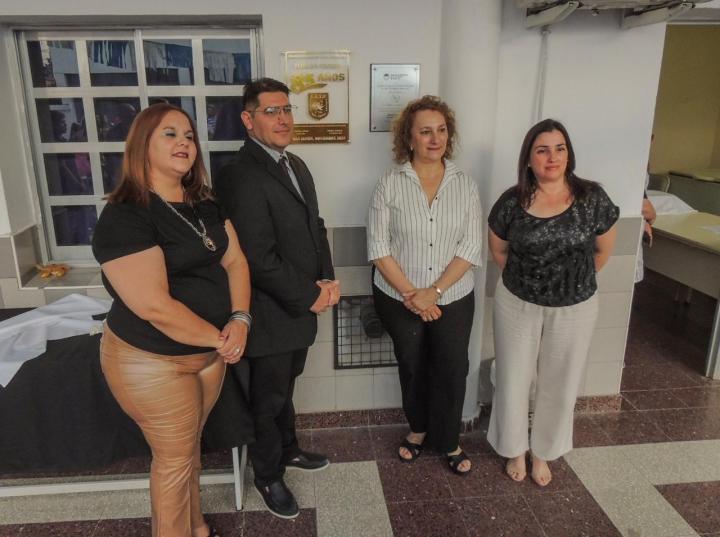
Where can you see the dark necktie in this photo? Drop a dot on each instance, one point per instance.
(285, 167)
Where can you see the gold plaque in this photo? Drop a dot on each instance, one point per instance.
(318, 105)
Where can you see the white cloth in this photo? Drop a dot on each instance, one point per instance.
(25, 336)
(424, 239)
(666, 203)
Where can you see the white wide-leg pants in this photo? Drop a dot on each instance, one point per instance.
(546, 344)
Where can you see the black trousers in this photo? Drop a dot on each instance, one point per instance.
(272, 383)
(433, 365)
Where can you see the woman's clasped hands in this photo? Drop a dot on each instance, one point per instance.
(423, 302)
(233, 339)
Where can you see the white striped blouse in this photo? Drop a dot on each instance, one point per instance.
(424, 239)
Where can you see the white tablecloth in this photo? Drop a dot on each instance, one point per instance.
(24, 337)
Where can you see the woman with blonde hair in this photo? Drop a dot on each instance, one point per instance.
(424, 236)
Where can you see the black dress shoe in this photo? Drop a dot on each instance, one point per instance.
(307, 461)
(278, 499)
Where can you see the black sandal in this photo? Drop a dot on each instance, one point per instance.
(414, 449)
(454, 462)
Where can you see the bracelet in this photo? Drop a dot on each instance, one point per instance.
(438, 291)
(242, 316)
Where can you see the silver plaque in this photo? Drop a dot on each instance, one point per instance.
(392, 86)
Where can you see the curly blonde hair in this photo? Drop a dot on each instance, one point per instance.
(404, 122)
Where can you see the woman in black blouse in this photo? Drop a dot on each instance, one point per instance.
(549, 234)
(173, 264)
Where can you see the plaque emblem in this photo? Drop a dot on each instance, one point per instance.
(318, 105)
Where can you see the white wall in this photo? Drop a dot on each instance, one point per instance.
(601, 83)
(377, 31)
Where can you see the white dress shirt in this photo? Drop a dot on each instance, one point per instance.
(424, 238)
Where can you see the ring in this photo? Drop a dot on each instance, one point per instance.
(236, 350)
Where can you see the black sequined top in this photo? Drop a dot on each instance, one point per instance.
(551, 261)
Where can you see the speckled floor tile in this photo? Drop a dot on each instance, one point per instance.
(631, 427)
(604, 468)
(587, 433)
(699, 397)
(689, 424)
(264, 524)
(503, 516)
(331, 420)
(440, 518)
(124, 527)
(641, 511)
(670, 375)
(387, 416)
(571, 513)
(365, 521)
(654, 399)
(343, 445)
(347, 485)
(424, 479)
(55, 507)
(63, 529)
(697, 503)
(664, 462)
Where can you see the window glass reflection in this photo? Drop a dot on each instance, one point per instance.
(168, 62)
(112, 63)
(114, 115)
(227, 61)
(53, 64)
(68, 173)
(74, 224)
(223, 117)
(186, 103)
(111, 165)
(61, 120)
(218, 159)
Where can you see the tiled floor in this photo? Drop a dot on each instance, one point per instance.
(650, 470)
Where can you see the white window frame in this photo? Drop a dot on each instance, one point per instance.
(82, 255)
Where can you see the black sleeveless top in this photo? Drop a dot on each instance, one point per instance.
(551, 261)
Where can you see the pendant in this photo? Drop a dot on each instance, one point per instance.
(209, 243)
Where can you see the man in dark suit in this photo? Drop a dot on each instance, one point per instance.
(270, 197)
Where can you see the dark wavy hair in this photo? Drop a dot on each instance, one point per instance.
(527, 182)
(134, 186)
(404, 122)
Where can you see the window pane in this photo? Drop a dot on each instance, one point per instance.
(223, 117)
(61, 120)
(218, 159)
(227, 61)
(53, 64)
(112, 63)
(168, 62)
(74, 224)
(186, 103)
(111, 164)
(68, 173)
(114, 115)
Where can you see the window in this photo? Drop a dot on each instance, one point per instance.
(83, 90)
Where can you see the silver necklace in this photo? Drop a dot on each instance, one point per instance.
(207, 241)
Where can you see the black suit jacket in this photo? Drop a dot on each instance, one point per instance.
(285, 242)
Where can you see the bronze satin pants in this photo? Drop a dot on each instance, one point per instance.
(169, 397)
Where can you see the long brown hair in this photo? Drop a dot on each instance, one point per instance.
(527, 182)
(404, 122)
(134, 186)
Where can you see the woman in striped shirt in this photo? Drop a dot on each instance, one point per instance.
(424, 235)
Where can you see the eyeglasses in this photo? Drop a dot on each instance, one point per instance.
(274, 111)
